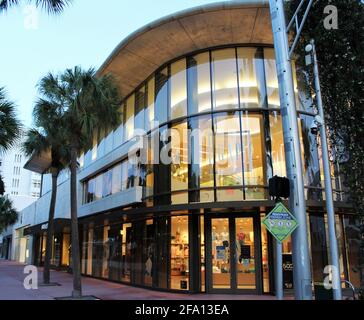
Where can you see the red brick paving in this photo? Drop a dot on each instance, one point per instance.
(12, 277)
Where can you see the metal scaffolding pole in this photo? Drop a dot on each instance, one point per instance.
(300, 252)
(336, 281)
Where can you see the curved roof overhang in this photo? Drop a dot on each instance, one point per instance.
(145, 50)
(217, 24)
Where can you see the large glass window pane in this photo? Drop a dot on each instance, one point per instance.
(224, 79)
(101, 143)
(99, 186)
(140, 103)
(202, 254)
(91, 186)
(107, 181)
(84, 257)
(352, 243)
(66, 249)
(161, 96)
(179, 165)
(106, 251)
(318, 247)
(179, 253)
(149, 111)
(202, 159)
(228, 156)
(126, 246)
(43, 248)
(162, 251)
(245, 253)
(56, 251)
(97, 251)
(129, 118)
(272, 83)
(303, 96)
(178, 89)
(116, 179)
(220, 247)
(94, 147)
(253, 150)
(265, 257)
(287, 263)
(133, 173)
(199, 83)
(90, 240)
(124, 175)
(137, 268)
(115, 252)
(341, 244)
(118, 138)
(148, 248)
(149, 167)
(248, 82)
(271, 78)
(162, 170)
(310, 158)
(278, 155)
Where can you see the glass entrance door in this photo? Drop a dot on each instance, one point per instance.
(245, 253)
(221, 257)
(232, 261)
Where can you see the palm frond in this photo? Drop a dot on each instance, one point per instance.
(8, 215)
(46, 113)
(78, 102)
(50, 134)
(50, 6)
(53, 6)
(6, 4)
(10, 126)
(35, 143)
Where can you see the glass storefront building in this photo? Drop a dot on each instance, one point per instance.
(197, 226)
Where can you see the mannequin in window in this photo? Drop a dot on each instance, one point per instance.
(225, 238)
(241, 240)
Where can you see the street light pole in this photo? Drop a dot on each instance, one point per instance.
(327, 173)
(300, 252)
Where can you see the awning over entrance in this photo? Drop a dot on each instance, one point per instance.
(39, 163)
(212, 25)
(59, 225)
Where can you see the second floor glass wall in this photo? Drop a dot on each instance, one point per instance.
(232, 95)
(120, 177)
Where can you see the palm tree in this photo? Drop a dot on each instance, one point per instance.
(2, 186)
(8, 215)
(51, 6)
(87, 104)
(10, 127)
(48, 137)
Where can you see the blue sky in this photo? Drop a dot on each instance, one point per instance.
(85, 34)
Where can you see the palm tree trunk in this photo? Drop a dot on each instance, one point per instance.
(76, 265)
(50, 230)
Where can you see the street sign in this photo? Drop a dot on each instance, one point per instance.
(280, 222)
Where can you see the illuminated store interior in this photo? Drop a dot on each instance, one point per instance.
(197, 225)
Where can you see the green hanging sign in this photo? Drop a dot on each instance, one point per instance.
(280, 222)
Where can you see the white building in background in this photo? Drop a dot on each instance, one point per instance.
(23, 187)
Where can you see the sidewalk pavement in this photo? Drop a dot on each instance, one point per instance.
(12, 277)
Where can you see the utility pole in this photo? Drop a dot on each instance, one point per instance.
(320, 122)
(283, 52)
(279, 270)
